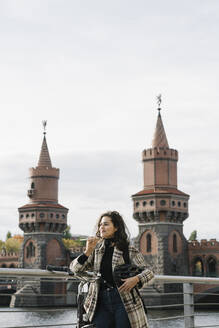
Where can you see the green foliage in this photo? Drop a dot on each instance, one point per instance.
(2, 244)
(13, 245)
(9, 235)
(193, 235)
(69, 243)
(66, 233)
(81, 242)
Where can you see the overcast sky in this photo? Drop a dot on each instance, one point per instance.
(93, 69)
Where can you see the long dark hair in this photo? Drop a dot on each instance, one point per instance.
(121, 235)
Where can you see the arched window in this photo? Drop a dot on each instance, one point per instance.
(198, 269)
(30, 250)
(12, 266)
(174, 243)
(148, 239)
(32, 185)
(211, 267)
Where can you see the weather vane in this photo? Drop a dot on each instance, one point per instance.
(44, 126)
(159, 101)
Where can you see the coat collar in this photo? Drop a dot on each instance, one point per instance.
(117, 254)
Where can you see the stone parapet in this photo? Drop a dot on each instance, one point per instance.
(159, 153)
(203, 244)
(8, 255)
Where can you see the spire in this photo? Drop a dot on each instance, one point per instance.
(44, 159)
(159, 139)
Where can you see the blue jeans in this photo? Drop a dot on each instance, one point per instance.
(110, 311)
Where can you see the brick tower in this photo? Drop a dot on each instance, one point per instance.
(43, 219)
(160, 208)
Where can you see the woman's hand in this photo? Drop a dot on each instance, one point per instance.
(128, 284)
(90, 245)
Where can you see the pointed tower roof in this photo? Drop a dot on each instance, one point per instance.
(44, 159)
(160, 138)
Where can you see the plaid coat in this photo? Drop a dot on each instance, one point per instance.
(136, 313)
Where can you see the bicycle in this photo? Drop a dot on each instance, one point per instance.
(85, 278)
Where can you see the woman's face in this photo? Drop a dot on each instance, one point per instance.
(106, 227)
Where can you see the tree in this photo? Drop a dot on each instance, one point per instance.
(2, 244)
(13, 245)
(19, 238)
(66, 233)
(9, 235)
(193, 235)
(69, 243)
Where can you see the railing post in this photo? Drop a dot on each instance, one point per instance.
(188, 305)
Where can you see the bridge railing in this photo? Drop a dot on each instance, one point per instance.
(189, 304)
(188, 317)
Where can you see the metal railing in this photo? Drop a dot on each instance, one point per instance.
(187, 296)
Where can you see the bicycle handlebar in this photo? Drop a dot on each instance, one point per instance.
(59, 268)
(84, 276)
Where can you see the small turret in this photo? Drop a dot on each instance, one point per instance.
(160, 191)
(160, 208)
(43, 219)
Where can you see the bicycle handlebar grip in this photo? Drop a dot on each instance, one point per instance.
(57, 268)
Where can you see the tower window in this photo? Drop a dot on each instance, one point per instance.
(174, 243)
(42, 215)
(179, 204)
(144, 203)
(21, 216)
(148, 242)
(184, 204)
(57, 216)
(63, 216)
(151, 202)
(173, 203)
(51, 215)
(30, 250)
(32, 215)
(27, 215)
(211, 268)
(32, 185)
(162, 202)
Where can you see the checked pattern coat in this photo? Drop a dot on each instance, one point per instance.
(135, 311)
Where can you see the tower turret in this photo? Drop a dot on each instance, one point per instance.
(43, 179)
(160, 208)
(43, 219)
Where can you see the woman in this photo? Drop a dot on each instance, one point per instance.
(106, 305)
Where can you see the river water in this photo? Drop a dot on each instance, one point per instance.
(20, 318)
